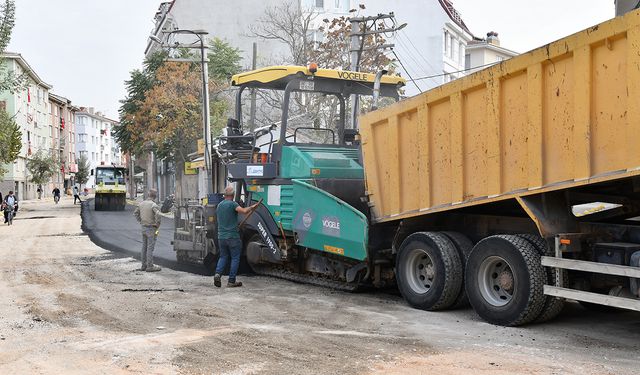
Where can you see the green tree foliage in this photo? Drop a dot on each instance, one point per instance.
(10, 140)
(137, 87)
(163, 106)
(9, 81)
(42, 167)
(82, 176)
(224, 60)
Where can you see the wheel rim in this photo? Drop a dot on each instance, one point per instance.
(496, 281)
(420, 271)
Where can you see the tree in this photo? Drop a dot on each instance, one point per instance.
(42, 167)
(334, 50)
(141, 81)
(291, 25)
(164, 103)
(171, 114)
(10, 140)
(224, 61)
(82, 176)
(9, 80)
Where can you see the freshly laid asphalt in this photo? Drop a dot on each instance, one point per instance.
(119, 231)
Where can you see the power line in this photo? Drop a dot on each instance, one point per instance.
(404, 36)
(457, 71)
(407, 52)
(406, 71)
(426, 71)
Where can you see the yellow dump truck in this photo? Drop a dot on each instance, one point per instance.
(536, 162)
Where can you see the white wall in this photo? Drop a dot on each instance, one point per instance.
(89, 139)
(420, 45)
(229, 23)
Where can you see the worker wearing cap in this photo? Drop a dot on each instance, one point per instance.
(230, 244)
(148, 215)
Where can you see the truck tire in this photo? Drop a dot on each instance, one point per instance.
(429, 271)
(553, 306)
(504, 280)
(464, 246)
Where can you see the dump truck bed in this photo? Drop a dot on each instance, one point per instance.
(560, 116)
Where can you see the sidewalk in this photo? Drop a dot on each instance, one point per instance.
(49, 198)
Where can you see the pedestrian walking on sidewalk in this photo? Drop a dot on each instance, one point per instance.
(229, 237)
(39, 192)
(148, 215)
(76, 194)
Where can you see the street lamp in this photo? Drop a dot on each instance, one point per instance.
(200, 34)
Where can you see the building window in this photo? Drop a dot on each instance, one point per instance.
(467, 61)
(451, 45)
(446, 43)
(319, 3)
(455, 50)
(342, 5)
(499, 58)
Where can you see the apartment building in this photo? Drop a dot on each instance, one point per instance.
(63, 136)
(30, 109)
(94, 141)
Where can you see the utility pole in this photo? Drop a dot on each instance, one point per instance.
(355, 66)
(206, 116)
(132, 180)
(254, 65)
(361, 28)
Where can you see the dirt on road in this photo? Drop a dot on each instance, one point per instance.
(68, 306)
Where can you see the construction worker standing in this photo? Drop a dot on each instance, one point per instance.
(148, 215)
(229, 237)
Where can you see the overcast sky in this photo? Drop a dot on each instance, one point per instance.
(86, 48)
(523, 25)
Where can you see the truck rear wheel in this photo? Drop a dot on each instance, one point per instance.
(464, 246)
(504, 280)
(552, 305)
(429, 271)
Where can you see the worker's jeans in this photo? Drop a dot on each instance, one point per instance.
(229, 248)
(148, 243)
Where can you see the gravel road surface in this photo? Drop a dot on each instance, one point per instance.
(69, 306)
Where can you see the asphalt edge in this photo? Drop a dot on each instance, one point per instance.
(195, 269)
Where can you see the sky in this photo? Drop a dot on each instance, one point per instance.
(84, 48)
(523, 25)
(87, 48)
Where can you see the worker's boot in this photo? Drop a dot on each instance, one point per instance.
(153, 269)
(216, 280)
(234, 284)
